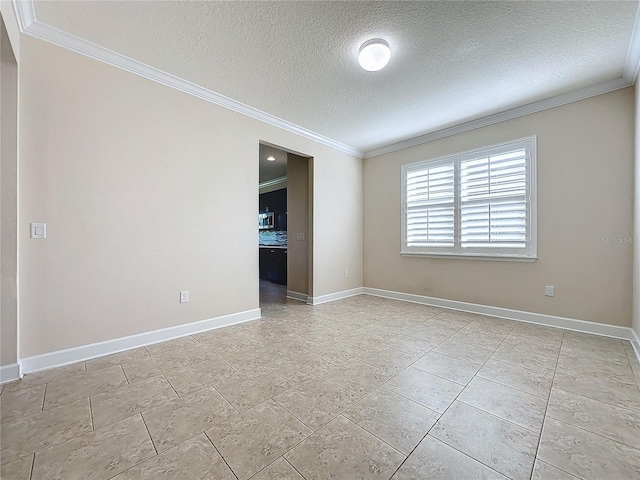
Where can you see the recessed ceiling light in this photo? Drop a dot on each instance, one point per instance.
(374, 54)
(271, 159)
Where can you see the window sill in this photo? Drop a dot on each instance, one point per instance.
(499, 258)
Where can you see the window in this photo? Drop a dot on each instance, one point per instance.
(480, 203)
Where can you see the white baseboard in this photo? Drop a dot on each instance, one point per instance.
(9, 373)
(303, 297)
(595, 328)
(86, 352)
(334, 296)
(635, 343)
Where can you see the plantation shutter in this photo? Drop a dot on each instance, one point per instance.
(430, 205)
(493, 200)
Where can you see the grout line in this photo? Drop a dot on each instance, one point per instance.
(544, 418)
(553, 466)
(292, 466)
(44, 397)
(221, 456)
(148, 433)
(93, 428)
(33, 463)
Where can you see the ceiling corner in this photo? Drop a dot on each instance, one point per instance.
(632, 63)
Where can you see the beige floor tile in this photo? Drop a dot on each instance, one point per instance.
(586, 455)
(543, 471)
(17, 470)
(247, 391)
(388, 360)
(430, 332)
(364, 339)
(584, 344)
(193, 459)
(164, 347)
(477, 339)
(45, 376)
(201, 352)
(530, 381)
(516, 406)
(129, 400)
(464, 351)
(539, 331)
(278, 470)
(101, 454)
(435, 460)
(393, 418)
(450, 368)
(411, 345)
(176, 421)
(195, 377)
(145, 367)
(212, 336)
(508, 448)
(429, 390)
(357, 377)
(342, 450)
(615, 423)
(300, 368)
(623, 394)
(27, 435)
(526, 358)
(316, 402)
(20, 403)
(619, 369)
(115, 359)
(83, 385)
(249, 359)
(257, 438)
(337, 353)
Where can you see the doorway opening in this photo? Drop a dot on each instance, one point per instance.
(285, 217)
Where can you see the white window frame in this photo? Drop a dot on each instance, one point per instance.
(529, 253)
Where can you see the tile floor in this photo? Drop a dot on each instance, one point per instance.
(362, 388)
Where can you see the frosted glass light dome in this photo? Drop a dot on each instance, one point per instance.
(374, 55)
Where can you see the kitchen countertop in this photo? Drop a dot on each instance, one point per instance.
(279, 247)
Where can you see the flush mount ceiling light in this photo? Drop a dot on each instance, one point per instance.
(271, 159)
(374, 54)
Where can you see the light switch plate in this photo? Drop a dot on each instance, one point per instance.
(301, 237)
(38, 230)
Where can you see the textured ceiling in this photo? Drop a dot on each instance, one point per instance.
(451, 61)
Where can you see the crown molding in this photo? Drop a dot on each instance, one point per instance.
(632, 62)
(573, 96)
(275, 181)
(30, 26)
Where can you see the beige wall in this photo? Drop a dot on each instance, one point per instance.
(297, 222)
(636, 215)
(8, 200)
(585, 156)
(11, 24)
(147, 191)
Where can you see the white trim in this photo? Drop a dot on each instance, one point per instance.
(30, 26)
(86, 352)
(9, 373)
(635, 343)
(334, 296)
(595, 328)
(574, 96)
(632, 62)
(275, 181)
(303, 297)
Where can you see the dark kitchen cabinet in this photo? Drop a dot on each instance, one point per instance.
(273, 265)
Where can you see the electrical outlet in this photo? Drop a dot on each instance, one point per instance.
(346, 274)
(184, 296)
(549, 290)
